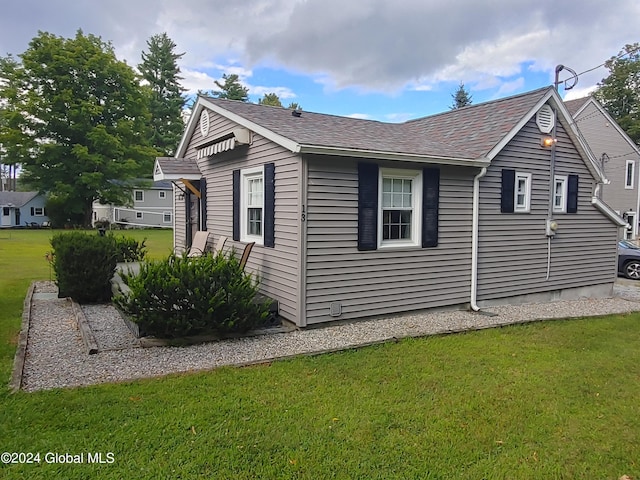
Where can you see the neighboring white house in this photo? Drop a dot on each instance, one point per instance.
(149, 207)
(22, 209)
(619, 158)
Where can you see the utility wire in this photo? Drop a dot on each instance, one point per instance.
(605, 62)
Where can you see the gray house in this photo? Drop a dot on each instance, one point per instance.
(618, 155)
(22, 209)
(150, 206)
(492, 203)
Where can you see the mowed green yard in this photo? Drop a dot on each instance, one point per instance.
(547, 400)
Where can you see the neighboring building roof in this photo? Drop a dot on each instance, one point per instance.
(16, 199)
(574, 106)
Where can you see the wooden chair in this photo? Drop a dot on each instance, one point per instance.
(199, 244)
(245, 254)
(220, 245)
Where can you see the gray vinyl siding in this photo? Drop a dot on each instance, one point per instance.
(277, 267)
(383, 281)
(513, 246)
(603, 137)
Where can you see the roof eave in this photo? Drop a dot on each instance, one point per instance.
(394, 156)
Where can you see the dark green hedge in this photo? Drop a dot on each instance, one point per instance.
(84, 265)
(183, 296)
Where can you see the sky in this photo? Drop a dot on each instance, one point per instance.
(386, 60)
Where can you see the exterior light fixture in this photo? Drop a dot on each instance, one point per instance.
(548, 142)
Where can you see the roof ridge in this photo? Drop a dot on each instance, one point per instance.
(483, 104)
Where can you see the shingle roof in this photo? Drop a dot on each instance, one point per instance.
(16, 199)
(466, 133)
(574, 105)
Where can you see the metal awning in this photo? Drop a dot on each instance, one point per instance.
(239, 136)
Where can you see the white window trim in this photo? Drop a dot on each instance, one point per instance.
(164, 217)
(563, 204)
(631, 220)
(416, 200)
(35, 211)
(245, 175)
(139, 215)
(162, 194)
(135, 195)
(526, 208)
(632, 164)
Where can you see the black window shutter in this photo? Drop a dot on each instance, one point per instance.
(572, 194)
(508, 190)
(430, 202)
(367, 206)
(269, 204)
(236, 205)
(203, 203)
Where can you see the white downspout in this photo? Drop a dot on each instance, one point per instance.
(474, 238)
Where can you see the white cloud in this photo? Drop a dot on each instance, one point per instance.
(369, 45)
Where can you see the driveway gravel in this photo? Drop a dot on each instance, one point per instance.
(56, 356)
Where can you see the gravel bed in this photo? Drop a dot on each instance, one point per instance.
(57, 358)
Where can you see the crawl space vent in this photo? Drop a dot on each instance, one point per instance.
(204, 123)
(544, 119)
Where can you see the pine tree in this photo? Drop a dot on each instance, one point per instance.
(231, 89)
(160, 69)
(461, 98)
(270, 99)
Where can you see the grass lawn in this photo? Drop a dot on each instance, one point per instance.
(540, 401)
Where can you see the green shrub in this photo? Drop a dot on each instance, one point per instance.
(129, 249)
(183, 296)
(84, 266)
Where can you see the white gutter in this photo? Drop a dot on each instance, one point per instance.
(382, 155)
(474, 238)
(606, 209)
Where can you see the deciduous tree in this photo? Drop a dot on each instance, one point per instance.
(80, 119)
(619, 93)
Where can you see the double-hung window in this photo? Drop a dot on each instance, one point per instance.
(399, 207)
(629, 174)
(252, 205)
(522, 198)
(138, 195)
(560, 194)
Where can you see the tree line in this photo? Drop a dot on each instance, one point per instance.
(81, 123)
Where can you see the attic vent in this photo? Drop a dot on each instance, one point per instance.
(545, 119)
(204, 123)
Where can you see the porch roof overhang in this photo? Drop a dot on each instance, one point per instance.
(176, 169)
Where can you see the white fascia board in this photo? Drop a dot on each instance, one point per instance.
(254, 127)
(404, 157)
(523, 121)
(188, 131)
